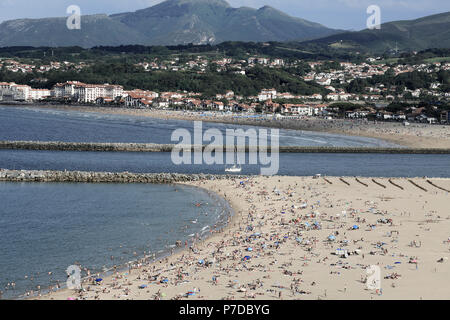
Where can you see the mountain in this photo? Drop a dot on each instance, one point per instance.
(409, 35)
(53, 32)
(171, 22)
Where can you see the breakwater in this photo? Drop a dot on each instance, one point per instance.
(152, 147)
(104, 177)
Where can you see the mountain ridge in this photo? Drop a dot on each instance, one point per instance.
(171, 22)
(405, 35)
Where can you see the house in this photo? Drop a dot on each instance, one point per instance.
(213, 105)
(384, 115)
(400, 116)
(285, 95)
(138, 99)
(319, 109)
(193, 104)
(267, 94)
(333, 96)
(356, 114)
(248, 108)
(297, 109)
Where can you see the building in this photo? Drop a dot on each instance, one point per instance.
(267, 94)
(139, 98)
(39, 94)
(298, 109)
(88, 93)
(15, 92)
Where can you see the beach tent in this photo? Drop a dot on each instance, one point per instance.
(143, 286)
(98, 280)
(246, 258)
(331, 238)
(355, 227)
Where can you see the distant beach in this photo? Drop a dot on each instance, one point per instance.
(305, 238)
(416, 135)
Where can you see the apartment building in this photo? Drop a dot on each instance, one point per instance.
(86, 92)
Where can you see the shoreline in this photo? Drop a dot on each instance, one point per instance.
(153, 259)
(416, 135)
(414, 212)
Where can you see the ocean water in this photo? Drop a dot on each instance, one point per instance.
(291, 164)
(46, 227)
(34, 124)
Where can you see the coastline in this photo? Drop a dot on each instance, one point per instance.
(233, 217)
(278, 216)
(415, 135)
(224, 219)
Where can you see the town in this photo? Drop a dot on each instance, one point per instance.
(349, 89)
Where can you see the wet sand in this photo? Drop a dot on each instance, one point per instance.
(283, 226)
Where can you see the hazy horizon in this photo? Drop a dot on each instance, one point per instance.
(338, 14)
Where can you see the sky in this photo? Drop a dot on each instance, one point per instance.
(339, 14)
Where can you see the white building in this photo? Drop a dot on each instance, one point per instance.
(86, 92)
(267, 94)
(40, 94)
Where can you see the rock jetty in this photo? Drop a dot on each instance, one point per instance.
(104, 177)
(152, 147)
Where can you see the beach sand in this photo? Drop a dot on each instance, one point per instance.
(404, 232)
(416, 135)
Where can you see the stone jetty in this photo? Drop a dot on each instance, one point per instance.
(152, 147)
(105, 177)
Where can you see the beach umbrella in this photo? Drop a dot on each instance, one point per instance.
(70, 298)
(355, 227)
(249, 249)
(98, 280)
(246, 258)
(143, 286)
(165, 280)
(201, 261)
(331, 238)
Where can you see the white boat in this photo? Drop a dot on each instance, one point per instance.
(233, 169)
(236, 167)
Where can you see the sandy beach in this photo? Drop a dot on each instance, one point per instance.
(416, 135)
(282, 244)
